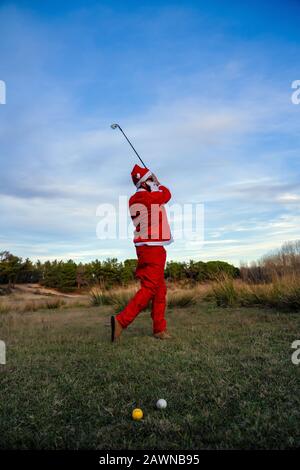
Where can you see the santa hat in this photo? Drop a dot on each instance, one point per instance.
(139, 175)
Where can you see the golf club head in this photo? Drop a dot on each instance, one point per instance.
(114, 126)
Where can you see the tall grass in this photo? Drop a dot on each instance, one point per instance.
(283, 293)
(32, 306)
(225, 292)
(99, 297)
(181, 298)
(4, 308)
(54, 303)
(119, 298)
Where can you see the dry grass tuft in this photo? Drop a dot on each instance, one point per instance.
(282, 293)
(4, 308)
(119, 298)
(181, 298)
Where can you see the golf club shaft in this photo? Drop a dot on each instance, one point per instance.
(131, 146)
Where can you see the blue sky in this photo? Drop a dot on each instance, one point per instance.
(204, 90)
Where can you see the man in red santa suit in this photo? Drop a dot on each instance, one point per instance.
(152, 233)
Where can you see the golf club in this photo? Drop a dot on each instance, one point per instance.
(115, 126)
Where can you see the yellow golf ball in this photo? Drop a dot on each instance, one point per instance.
(137, 414)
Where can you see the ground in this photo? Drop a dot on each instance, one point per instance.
(227, 376)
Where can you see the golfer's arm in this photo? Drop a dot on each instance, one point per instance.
(160, 197)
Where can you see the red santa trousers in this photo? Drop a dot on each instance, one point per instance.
(150, 271)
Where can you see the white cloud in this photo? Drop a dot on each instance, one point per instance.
(289, 198)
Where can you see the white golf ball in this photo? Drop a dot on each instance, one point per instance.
(161, 404)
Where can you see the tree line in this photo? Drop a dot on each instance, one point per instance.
(68, 275)
(279, 263)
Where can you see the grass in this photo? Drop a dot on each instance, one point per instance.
(99, 297)
(119, 298)
(36, 305)
(33, 306)
(281, 294)
(181, 298)
(227, 376)
(4, 308)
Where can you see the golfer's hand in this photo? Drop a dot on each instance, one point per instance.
(155, 179)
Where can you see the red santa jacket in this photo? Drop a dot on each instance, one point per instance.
(149, 216)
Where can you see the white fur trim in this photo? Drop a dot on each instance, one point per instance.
(144, 178)
(162, 243)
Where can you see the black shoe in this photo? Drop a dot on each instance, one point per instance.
(113, 328)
